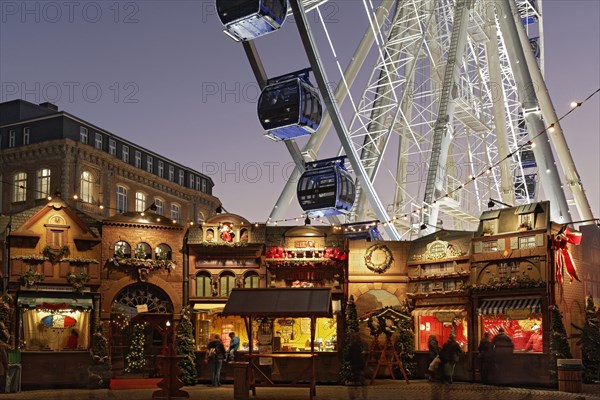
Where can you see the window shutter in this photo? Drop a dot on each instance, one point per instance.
(514, 243)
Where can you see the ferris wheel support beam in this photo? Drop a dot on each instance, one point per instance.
(548, 172)
(443, 130)
(311, 149)
(493, 57)
(573, 181)
(336, 118)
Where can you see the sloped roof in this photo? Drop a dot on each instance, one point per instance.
(146, 218)
(279, 302)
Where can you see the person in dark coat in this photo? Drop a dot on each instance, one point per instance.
(449, 355)
(486, 357)
(215, 352)
(503, 351)
(434, 351)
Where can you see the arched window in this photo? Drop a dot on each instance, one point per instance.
(203, 284)
(121, 199)
(86, 187)
(42, 183)
(163, 252)
(160, 206)
(251, 280)
(143, 251)
(122, 249)
(244, 236)
(20, 187)
(226, 283)
(210, 235)
(140, 201)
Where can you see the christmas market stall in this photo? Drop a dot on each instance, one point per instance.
(273, 365)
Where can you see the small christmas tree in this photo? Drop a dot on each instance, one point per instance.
(135, 360)
(559, 346)
(589, 340)
(405, 346)
(99, 373)
(184, 346)
(351, 335)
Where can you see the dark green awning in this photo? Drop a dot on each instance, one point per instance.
(46, 300)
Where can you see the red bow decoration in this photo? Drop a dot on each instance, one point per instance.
(563, 258)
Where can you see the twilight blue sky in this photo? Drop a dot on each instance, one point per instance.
(162, 74)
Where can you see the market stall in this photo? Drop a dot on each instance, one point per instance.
(266, 305)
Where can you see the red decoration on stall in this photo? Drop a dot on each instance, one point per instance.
(563, 259)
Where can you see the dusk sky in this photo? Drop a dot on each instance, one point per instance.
(163, 75)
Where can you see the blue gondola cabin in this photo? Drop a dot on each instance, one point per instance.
(289, 107)
(326, 188)
(248, 19)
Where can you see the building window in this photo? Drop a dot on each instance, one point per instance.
(489, 227)
(527, 242)
(149, 164)
(226, 284)
(161, 169)
(121, 199)
(112, 147)
(175, 212)
(125, 154)
(191, 184)
(122, 250)
(26, 136)
(203, 284)
(86, 191)
(171, 173)
(490, 245)
(198, 183)
(526, 221)
(160, 206)
(138, 159)
(83, 135)
(199, 218)
(431, 325)
(204, 185)
(251, 280)
(140, 201)
(42, 183)
(143, 251)
(11, 138)
(20, 186)
(98, 141)
(163, 252)
(181, 177)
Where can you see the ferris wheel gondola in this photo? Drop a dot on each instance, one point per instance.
(249, 19)
(289, 106)
(326, 188)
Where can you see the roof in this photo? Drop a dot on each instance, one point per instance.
(279, 302)
(146, 218)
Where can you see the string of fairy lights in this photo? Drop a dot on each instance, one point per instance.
(487, 170)
(358, 227)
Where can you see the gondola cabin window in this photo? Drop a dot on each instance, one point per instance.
(249, 19)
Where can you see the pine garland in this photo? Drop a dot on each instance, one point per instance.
(135, 359)
(559, 346)
(351, 334)
(184, 346)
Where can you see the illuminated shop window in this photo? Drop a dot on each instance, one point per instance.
(523, 327)
(441, 324)
(50, 329)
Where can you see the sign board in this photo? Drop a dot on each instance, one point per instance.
(518, 313)
(265, 349)
(445, 316)
(142, 308)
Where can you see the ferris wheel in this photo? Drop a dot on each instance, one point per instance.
(455, 112)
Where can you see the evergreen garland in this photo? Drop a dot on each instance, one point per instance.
(135, 359)
(559, 346)
(99, 373)
(184, 346)
(405, 347)
(351, 335)
(589, 340)
(6, 312)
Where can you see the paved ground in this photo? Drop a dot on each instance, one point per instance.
(381, 390)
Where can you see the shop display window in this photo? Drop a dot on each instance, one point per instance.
(430, 325)
(520, 330)
(50, 330)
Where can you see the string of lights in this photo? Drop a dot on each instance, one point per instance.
(485, 172)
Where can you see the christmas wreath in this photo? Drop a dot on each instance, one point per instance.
(379, 268)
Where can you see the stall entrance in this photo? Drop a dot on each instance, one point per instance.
(139, 316)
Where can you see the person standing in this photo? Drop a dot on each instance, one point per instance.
(503, 350)
(73, 340)
(215, 352)
(234, 345)
(449, 355)
(434, 351)
(486, 357)
(536, 341)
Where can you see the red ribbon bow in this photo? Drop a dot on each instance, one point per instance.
(563, 258)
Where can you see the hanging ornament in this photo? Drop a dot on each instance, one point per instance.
(563, 259)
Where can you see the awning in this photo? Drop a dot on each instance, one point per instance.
(528, 209)
(458, 311)
(279, 302)
(211, 308)
(487, 215)
(502, 306)
(55, 303)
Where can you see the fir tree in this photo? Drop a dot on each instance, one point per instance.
(559, 346)
(135, 359)
(351, 335)
(589, 340)
(405, 346)
(99, 373)
(184, 346)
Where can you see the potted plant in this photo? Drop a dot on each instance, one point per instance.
(78, 280)
(31, 277)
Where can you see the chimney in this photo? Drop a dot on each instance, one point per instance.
(49, 106)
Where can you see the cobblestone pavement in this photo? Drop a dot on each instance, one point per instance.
(381, 390)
